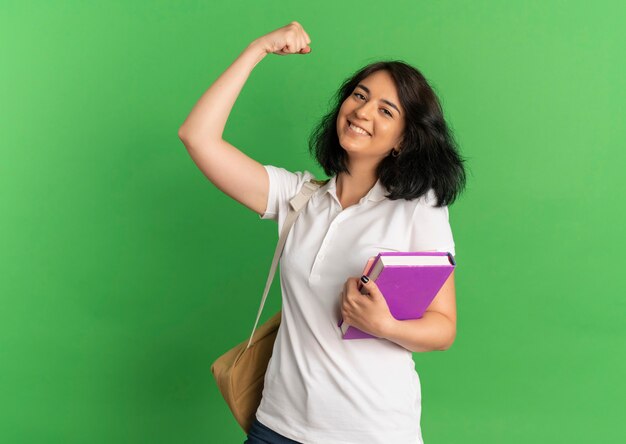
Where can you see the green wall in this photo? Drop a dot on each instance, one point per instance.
(125, 273)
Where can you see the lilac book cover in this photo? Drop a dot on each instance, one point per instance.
(408, 289)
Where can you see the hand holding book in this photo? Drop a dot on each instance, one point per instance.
(407, 282)
(364, 306)
(367, 267)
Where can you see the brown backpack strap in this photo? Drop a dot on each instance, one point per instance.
(298, 202)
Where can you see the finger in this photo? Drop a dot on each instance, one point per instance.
(305, 47)
(365, 271)
(345, 303)
(297, 43)
(353, 290)
(347, 296)
(370, 287)
(347, 292)
(349, 301)
(357, 282)
(290, 43)
(358, 285)
(351, 284)
(304, 33)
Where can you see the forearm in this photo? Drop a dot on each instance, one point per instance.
(208, 117)
(433, 331)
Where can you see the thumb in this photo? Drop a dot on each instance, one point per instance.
(369, 286)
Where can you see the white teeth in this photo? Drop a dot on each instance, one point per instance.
(358, 130)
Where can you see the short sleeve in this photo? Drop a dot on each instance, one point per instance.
(430, 228)
(284, 185)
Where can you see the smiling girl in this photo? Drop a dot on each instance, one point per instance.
(393, 170)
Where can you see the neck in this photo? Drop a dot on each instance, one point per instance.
(353, 187)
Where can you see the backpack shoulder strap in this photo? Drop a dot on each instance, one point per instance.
(298, 202)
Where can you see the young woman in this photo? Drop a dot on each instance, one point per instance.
(394, 170)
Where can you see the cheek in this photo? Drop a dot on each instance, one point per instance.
(342, 112)
(385, 129)
(392, 129)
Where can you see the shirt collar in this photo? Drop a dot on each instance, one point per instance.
(375, 194)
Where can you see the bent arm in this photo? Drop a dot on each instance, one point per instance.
(207, 119)
(435, 330)
(228, 168)
(431, 332)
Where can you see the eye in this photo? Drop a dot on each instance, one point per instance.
(361, 95)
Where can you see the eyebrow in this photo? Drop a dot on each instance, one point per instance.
(360, 85)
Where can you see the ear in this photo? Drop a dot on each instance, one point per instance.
(398, 147)
(400, 141)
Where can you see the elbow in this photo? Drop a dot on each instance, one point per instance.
(448, 343)
(181, 134)
(186, 139)
(446, 346)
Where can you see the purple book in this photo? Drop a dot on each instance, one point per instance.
(409, 281)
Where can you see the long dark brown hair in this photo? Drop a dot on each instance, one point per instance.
(428, 157)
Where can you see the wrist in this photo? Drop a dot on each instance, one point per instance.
(387, 330)
(253, 53)
(259, 47)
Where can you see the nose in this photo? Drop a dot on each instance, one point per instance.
(364, 112)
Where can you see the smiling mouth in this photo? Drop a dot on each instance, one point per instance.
(358, 132)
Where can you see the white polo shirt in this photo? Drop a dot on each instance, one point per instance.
(319, 388)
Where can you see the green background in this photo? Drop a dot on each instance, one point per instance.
(125, 273)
